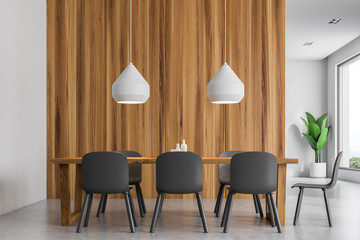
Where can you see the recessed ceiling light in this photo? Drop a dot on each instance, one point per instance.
(335, 21)
(307, 44)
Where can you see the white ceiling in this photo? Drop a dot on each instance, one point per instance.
(307, 21)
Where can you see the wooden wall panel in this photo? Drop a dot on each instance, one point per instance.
(178, 47)
(137, 127)
(194, 53)
(61, 108)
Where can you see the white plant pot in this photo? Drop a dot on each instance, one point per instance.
(318, 170)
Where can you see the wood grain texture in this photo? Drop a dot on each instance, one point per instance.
(281, 193)
(65, 194)
(193, 55)
(152, 160)
(78, 188)
(177, 46)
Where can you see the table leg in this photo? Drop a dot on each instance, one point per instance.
(78, 189)
(281, 192)
(67, 217)
(65, 195)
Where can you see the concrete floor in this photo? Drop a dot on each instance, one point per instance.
(180, 219)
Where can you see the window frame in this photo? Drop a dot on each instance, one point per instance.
(340, 93)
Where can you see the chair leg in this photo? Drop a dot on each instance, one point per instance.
(259, 205)
(271, 213)
(156, 212)
(202, 214)
(217, 209)
(327, 207)
(220, 201)
(161, 204)
(160, 207)
(133, 210)
(298, 205)
(276, 215)
(255, 204)
(137, 186)
(100, 205)
(104, 203)
(225, 211)
(227, 220)
(129, 212)
(86, 223)
(81, 220)
(142, 199)
(217, 200)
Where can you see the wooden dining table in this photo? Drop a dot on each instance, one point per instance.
(68, 217)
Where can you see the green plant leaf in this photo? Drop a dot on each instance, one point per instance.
(314, 130)
(323, 124)
(322, 139)
(321, 119)
(311, 141)
(306, 124)
(310, 118)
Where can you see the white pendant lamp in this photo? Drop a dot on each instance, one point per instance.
(225, 87)
(130, 87)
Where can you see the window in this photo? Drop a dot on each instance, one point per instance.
(349, 112)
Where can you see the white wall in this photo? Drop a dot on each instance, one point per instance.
(312, 86)
(344, 53)
(22, 103)
(305, 91)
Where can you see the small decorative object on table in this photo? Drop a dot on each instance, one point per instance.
(183, 146)
(317, 134)
(177, 147)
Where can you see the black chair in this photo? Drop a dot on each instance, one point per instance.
(253, 173)
(105, 173)
(224, 179)
(178, 173)
(324, 187)
(134, 179)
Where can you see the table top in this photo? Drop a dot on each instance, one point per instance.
(152, 160)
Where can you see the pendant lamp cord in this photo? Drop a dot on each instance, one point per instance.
(225, 31)
(131, 32)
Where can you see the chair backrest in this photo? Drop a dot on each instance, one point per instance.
(253, 172)
(105, 173)
(179, 173)
(134, 169)
(334, 176)
(224, 169)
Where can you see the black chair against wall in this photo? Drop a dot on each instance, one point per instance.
(178, 173)
(224, 179)
(323, 187)
(135, 171)
(253, 173)
(105, 173)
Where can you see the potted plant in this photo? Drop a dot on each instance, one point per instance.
(317, 134)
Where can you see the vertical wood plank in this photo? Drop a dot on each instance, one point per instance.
(62, 116)
(193, 55)
(210, 53)
(117, 58)
(137, 127)
(174, 76)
